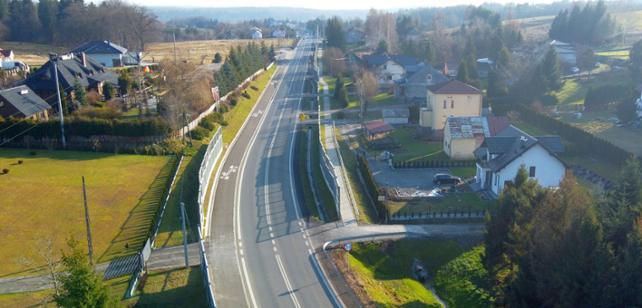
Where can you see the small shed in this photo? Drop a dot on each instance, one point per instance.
(377, 129)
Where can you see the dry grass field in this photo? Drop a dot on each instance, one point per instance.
(201, 52)
(42, 199)
(30, 53)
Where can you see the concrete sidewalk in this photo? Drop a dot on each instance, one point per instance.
(160, 259)
(346, 206)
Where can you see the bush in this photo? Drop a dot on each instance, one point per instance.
(246, 95)
(217, 117)
(549, 100)
(254, 88)
(20, 162)
(602, 96)
(5, 171)
(199, 133)
(207, 124)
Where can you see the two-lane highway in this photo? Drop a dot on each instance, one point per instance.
(260, 253)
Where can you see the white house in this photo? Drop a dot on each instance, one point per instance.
(256, 33)
(392, 69)
(108, 54)
(500, 157)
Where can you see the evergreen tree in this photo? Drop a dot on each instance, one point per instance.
(80, 93)
(47, 13)
(462, 72)
(217, 58)
(334, 33)
(382, 48)
(80, 286)
(550, 70)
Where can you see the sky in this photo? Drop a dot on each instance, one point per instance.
(325, 4)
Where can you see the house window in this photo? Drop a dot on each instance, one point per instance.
(452, 104)
(531, 171)
(496, 179)
(444, 104)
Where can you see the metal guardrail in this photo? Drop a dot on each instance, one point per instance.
(207, 282)
(327, 169)
(212, 154)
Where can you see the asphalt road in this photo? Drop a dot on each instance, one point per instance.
(260, 254)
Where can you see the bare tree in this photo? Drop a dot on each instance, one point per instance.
(381, 26)
(334, 61)
(368, 87)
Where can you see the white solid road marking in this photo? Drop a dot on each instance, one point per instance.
(247, 285)
(287, 281)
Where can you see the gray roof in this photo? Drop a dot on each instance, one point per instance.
(24, 100)
(511, 143)
(408, 62)
(100, 47)
(421, 76)
(70, 69)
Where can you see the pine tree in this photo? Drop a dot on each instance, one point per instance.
(80, 286)
(462, 72)
(47, 13)
(382, 48)
(550, 69)
(80, 93)
(334, 33)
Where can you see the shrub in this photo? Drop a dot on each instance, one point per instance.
(233, 101)
(207, 123)
(254, 88)
(33, 153)
(5, 171)
(246, 95)
(20, 162)
(199, 133)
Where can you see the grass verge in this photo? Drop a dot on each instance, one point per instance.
(383, 270)
(462, 282)
(123, 191)
(466, 202)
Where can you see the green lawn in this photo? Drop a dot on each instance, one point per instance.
(171, 288)
(467, 201)
(237, 115)
(412, 148)
(174, 288)
(384, 271)
(42, 199)
(573, 91)
(622, 54)
(462, 282)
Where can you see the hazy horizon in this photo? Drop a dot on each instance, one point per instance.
(326, 5)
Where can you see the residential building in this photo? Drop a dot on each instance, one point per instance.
(391, 70)
(72, 69)
(377, 129)
(452, 98)
(22, 102)
(395, 116)
(484, 66)
(279, 33)
(463, 135)
(256, 33)
(416, 86)
(108, 54)
(500, 157)
(565, 52)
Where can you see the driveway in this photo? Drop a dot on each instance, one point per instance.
(419, 178)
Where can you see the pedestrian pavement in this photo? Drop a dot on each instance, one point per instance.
(346, 205)
(160, 259)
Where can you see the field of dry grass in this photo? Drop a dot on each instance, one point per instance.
(30, 53)
(42, 199)
(201, 52)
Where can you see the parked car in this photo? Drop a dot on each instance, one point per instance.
(446, 179)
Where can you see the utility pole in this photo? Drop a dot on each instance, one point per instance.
(60, 111)
(184, 234)
(174, 36)
(87, 222)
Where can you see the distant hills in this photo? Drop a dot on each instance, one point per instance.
(248, 13)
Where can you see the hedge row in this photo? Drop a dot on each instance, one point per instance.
(84, 127)
(433, 164)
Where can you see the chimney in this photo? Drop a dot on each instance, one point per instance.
(523, 140)
(84, 59)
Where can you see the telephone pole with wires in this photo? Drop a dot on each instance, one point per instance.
(54, 59)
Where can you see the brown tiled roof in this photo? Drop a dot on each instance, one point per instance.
(453, 87)
(378, 127)
(497, 124)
